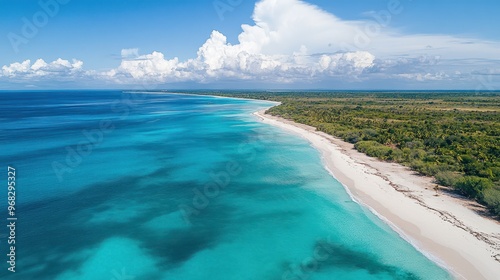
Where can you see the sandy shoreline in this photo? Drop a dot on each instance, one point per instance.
(442, 226)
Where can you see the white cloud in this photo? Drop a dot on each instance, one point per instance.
(40, 68)
(421, 77)
(152, 66)
(281, 46)
(283, 26)
(216, 59)
(130, 53)
(15, 68)
(292, 41)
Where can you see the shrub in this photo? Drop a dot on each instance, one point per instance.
(396, 155)
(426, 168)
(417, 154)
(369, 134)
(363, 146)
(447, 178)
(414, 145)
(492, 200)
(496, 172)
(472, 186)
(417, 165)
(375, 149)
(352, 136)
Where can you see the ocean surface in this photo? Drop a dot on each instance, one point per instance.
(127, 185)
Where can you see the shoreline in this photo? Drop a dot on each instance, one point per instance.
(442, 227)
(198, 95)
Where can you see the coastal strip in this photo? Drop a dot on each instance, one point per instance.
(442, 226)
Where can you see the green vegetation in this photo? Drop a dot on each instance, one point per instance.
(453, 136)
(473, 186)
(492, 199)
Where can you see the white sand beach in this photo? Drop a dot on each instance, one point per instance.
(445, 227)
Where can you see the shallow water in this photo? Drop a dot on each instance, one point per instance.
(114, 185)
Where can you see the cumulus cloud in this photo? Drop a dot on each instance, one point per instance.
(153, 66)
(217, 59)
(285, 26)
(283, 45)
(40, 68)
(130, 53)
(293, 41)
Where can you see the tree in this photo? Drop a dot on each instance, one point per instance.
(492, 199)
(473, 187)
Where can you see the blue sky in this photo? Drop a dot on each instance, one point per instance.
(338, 44)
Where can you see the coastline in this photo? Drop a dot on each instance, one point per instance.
(441, 226)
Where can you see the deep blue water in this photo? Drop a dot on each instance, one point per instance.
(120, 185)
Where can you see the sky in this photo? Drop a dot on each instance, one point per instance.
(243, 44)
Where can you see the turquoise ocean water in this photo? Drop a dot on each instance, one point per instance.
(120, 185)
